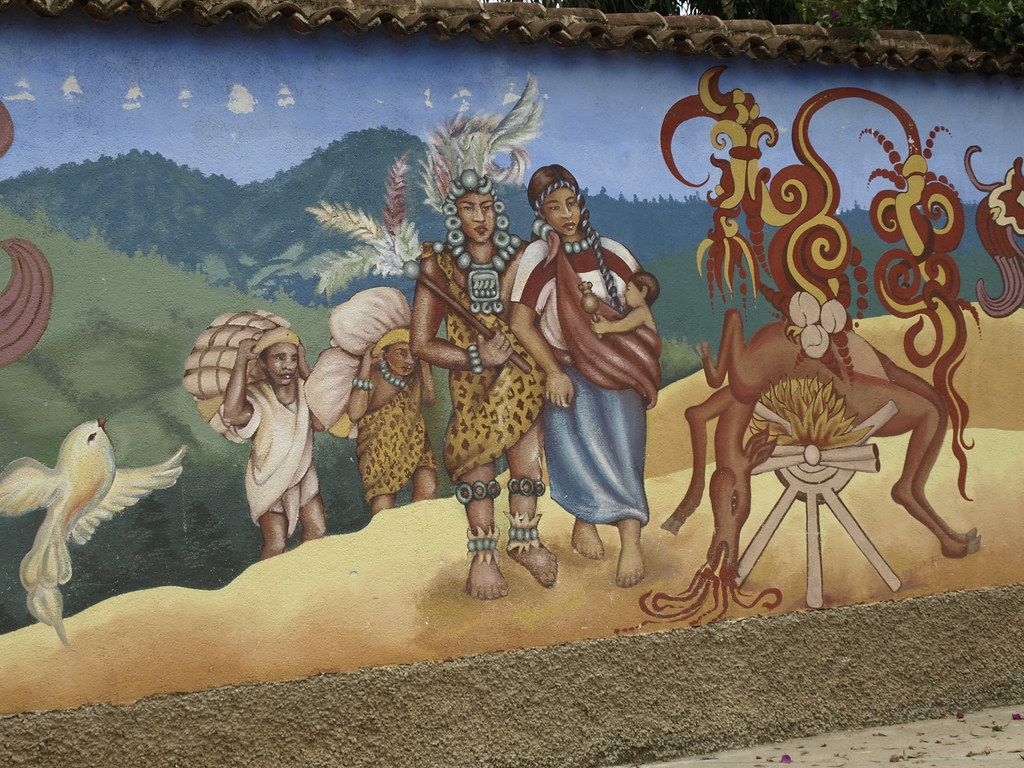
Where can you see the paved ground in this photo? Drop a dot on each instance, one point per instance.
(989, 738)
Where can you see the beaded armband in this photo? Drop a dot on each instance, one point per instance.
(523, 532)
(364, 384)
(525, 486)
(476, 365)
(478, 491)
(482, 545)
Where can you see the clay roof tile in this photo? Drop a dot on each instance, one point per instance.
(530, 22)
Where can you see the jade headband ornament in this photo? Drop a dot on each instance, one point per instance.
(484, 283)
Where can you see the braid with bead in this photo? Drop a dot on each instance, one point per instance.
(588, 232)
(602, 265)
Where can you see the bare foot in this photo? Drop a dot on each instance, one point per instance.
(485, 581)
(586, 540)
(631, 560)
(539, 561)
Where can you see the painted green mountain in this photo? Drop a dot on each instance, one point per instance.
(119, 332)
(259, 236)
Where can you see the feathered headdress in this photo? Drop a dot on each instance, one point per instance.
(379, 248)
(474, 142)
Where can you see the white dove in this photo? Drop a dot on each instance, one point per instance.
(85, 489)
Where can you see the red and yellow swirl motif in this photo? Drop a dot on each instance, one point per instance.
(811, 251)
(26, 301)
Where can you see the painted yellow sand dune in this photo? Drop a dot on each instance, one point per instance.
(392, 593)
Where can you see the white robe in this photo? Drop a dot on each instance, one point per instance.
(280, 476)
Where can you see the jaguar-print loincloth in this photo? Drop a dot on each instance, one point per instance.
(393, 443)
(490, 411)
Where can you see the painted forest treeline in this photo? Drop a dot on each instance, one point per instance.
(259, 237)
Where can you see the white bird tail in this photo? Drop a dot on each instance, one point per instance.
(47, 605)
(43, 570)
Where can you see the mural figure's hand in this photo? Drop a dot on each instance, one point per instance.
(245, 352)
(494, 351)
(601, 325)
(559, 389)
(366, 364)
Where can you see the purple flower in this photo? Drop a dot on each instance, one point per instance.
(786, 759)
(835, 13)
(1016, 716)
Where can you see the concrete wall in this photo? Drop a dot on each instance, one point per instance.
(597, 703)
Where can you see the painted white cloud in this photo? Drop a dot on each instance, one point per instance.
(465, 94)
(426, 99)
(24, 94)
(285, 96)
(133, 98)
(71, 89)
(240, 100)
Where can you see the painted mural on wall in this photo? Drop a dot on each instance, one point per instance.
(436, 358)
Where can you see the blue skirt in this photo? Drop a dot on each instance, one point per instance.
(595, 453)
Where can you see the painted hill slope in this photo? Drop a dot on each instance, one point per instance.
(392, 593)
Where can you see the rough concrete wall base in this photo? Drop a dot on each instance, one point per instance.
(588, 704)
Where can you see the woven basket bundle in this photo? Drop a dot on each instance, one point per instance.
(208, 368)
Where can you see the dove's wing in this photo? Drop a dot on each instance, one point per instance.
(129, 486)
(25, 484)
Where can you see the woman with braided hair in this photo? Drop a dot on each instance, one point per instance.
(597, 388)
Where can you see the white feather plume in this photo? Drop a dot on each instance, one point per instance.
(351, 221)
(377, 249)
(477, 142)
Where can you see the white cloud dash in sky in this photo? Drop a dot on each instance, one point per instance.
(133, 97)
(24, 93)
(285, 96)
(240, 100)
(71, 88)
(465, 94)
(185, 98)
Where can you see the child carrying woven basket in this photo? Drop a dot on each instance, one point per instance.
(369, 386)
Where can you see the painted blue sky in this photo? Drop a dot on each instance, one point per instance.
(247, 104)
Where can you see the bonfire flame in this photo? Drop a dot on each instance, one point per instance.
(816, 415)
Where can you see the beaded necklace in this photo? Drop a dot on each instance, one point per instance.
(483, 283)
(395, 381)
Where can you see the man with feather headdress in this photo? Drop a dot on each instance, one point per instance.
(495, 405)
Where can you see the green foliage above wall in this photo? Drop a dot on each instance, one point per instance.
(992, 25)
